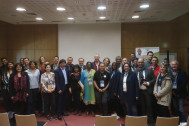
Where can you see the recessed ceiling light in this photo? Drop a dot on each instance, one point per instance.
(101, 7)
(135, 16)
(60, 9)
(144, 6)
(39, 18)
(102, 17)
(70, 18)
(20, 9)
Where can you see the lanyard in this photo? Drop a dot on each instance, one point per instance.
(160, 79)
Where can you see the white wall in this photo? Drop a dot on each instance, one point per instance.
(85, 40)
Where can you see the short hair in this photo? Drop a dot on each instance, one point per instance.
(76, 66)
(149, 52)
(155, 58)
(118, 57)
(166, 65)
(132, 53)
(135, 59)
(165, 59)
(61, 61)
(3, 59)
(81, 58)
(32, 62)
(26, 58)
(177, 62)
(56, 57)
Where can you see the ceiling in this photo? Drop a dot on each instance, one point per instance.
(85, 11)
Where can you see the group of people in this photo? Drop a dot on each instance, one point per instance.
(135, 87)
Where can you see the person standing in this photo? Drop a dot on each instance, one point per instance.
(76, 88)
(48, 92)
(19, 89)
(148, 62)
(34, 75)
(179, 92)
(101, 83)
(146, 80)
(96, 63)
(118, 60)
(129, 90)
(155, 67)
(107, 64)
(163, 91)
(113, 90)
(4, 62)
(6, 73)
(26, 64)
(55, 65)
(62, 88)
(81, 64)
(87, 77)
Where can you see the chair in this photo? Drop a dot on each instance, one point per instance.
(164, 121)
(4, 119)
(105, 120)
(136, 121)
(26, 120)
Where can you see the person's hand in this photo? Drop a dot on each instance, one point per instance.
(145, 84)
(12, 98)
(137, 98)
(60, 92)
(70, 90)
(118, 96)
(27, 94)
(48, 91)
(100, 90)
(155, 95)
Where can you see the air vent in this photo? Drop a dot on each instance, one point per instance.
(102, 21)
(29, 21)
(33, 14)
(137, 11)
(57, 21)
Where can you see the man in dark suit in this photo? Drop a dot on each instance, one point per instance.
(81, 64)
(179, 92)
(61, 80)
(146, 80)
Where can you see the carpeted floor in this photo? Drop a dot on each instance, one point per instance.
(75, 120)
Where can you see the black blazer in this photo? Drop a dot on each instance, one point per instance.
(149, 77)
(182, 81)
(114, 84)
(132, 88)
(60, 80)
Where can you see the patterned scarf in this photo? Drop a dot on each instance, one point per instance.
(20, 88)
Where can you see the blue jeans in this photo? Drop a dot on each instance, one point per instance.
(177, 106)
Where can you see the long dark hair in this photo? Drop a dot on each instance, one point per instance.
(7, 69)
(123, 71)
(76, 66)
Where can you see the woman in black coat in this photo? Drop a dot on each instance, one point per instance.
(113, 89)
(129, 90)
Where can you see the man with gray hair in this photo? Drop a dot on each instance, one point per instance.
(179, 92)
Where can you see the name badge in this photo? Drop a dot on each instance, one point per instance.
(174, 85)
(104, 76)
(90, 82)
(124, 87)
(102, 83)
(159, 89)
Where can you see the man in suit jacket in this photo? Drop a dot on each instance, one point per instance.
(179, 90)
(61, 80)
(146, 80)
(81, 64)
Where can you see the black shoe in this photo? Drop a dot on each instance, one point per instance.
(54, 117)
(59, 117)
(65, 114)
(48, 117)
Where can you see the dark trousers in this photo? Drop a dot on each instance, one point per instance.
(49, 103)
(62, 102)
(77, 99)
(102, 101)
(131, 109)
(162, 111)
(7, 100)
(146, 105)
(20, 108)
(177, 107)
(32, 100)
(113, 105)
(90, 108)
